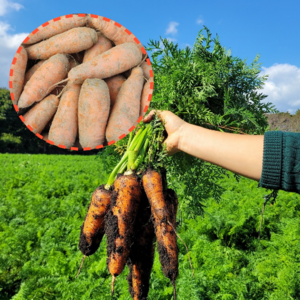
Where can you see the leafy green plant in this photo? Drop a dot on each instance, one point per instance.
(43, 202)
(205, 86)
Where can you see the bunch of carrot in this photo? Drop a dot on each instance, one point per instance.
(133, 209)
(81, 80)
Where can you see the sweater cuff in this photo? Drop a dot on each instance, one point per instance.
(272, 160)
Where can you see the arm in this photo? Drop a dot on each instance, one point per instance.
(241, 154)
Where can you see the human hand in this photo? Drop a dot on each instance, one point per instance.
(173, 126)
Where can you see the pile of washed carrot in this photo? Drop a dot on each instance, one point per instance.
(81, 80)
(132, 209)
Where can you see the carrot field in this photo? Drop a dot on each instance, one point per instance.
(44, 199)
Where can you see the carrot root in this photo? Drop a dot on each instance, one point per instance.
(80, 266)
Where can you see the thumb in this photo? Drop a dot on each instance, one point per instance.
(171, 143)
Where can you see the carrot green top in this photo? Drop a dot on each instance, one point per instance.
(281, 161)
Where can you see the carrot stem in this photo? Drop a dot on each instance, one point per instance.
(123, 160)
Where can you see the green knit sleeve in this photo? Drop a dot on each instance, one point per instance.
(281, 161)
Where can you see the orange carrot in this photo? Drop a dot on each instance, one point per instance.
(93, 112)
(146, 69)
(59, 88)
(38, 116)
(163, 223)
(140, 260)
(125, 112)
(55, 27)
(63, 130)
(92, 229)
(103, 44)
(112, 62)
(114, 84)
(71, 41)
(119, 223)
(39, 85)
(115, 33)
(31, 71)
(145, 97)
(18, 75)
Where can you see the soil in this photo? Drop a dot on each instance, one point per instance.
(142, 251)
(168, 254)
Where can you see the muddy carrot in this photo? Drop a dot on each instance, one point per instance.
(140, 260)
(165, 234)
(92, 229)
(119, 223)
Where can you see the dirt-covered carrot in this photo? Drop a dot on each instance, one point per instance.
(18, 75)
(103, 44)
(114, 84)
(112, 62)
(63, 130)
(41, 83)
(119, 223)
(71, 41)
(145, 97)
(92, 229)
(31, 71)
(163, 223)
(40, 115)
(93, 112)
(140, 260)
(125, 112)
(55, 27)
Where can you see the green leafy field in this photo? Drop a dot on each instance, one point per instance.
(43, 201)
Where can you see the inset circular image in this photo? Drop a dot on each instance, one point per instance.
(81, 81)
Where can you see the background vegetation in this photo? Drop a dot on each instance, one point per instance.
(43, 201)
